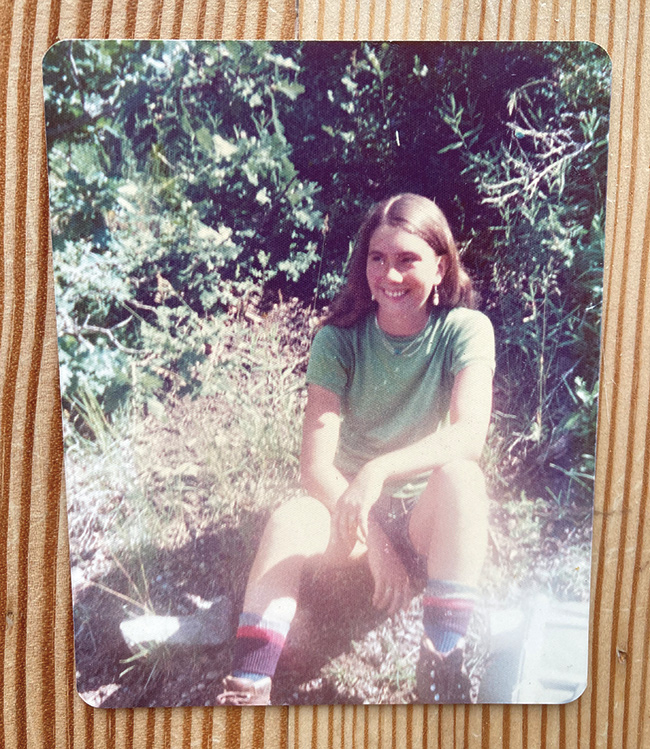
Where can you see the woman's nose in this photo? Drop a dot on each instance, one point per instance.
(392, 274)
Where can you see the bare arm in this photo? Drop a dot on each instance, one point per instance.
(471, 405)
(320, 437)
(323, 481)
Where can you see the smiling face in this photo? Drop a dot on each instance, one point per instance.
(402, 270)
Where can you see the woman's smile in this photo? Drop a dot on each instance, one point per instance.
(394, 293)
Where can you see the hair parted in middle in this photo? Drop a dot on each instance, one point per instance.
(417, 215)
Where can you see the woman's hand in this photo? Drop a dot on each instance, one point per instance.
(353, 506)
(392, 585)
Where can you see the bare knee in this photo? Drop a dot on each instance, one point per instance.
(301, 525)
(455, 494)
(300, 513)
(462, 481)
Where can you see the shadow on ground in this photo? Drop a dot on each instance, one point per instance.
(335, 609)
(174, 582)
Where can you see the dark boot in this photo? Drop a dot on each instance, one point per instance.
(442, 678)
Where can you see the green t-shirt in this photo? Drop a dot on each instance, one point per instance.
(391, 400)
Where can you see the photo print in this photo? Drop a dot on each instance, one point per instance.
(329, 325)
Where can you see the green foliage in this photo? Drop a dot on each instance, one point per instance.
(536, 547)
(172, 186)
(160, 471)
(194, 183)
(543, 181)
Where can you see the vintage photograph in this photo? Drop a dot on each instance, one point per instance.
(329, 338)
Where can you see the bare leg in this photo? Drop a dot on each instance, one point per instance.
(298, 531)
(449, 524)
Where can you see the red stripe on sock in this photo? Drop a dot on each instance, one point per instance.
(457, 604)
(257, 633)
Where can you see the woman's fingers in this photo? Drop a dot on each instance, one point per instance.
(383, 592)
(379, 595)
(342, 522)
(350, 527)
(396, 601)
(404, 598)
(363, 526)
(390, 599)
(348, 524)
(391, 596)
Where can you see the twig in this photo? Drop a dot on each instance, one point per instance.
(124, 597)
(109, 334)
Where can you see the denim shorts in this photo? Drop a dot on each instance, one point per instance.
(392, 515)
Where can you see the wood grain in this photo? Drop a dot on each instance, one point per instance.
(41, 708)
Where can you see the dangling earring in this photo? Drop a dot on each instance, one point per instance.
(372, 297)
(436, 296)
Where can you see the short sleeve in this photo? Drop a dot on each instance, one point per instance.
(329, 360)
(473, 340)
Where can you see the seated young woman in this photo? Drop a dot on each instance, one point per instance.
(399, 402)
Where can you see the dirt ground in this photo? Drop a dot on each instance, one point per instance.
(318, 659)
(340, 650)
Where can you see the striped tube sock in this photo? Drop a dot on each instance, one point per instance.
(258, 646)
(448, 607)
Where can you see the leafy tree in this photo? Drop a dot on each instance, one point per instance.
(180, 171)
(190, 181)
(542, 183)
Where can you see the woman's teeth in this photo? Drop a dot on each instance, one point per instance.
(394, 294)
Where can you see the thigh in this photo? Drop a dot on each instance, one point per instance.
(454, 503)
(301, 525)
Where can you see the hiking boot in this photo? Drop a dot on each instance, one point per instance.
(442, 678)
(245, 691)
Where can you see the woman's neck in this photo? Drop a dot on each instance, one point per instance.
(402, 326)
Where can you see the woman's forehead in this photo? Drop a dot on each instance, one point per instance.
(388, 238)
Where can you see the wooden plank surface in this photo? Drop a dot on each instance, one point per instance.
(40, 706)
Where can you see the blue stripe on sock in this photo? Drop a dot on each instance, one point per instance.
(446, 625)
(248, 675)
(445, 640)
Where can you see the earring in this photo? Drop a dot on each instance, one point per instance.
(372, 297)
(436, 296)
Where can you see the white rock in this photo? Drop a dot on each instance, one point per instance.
(209, 626)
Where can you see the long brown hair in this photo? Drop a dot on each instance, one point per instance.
(417, 215)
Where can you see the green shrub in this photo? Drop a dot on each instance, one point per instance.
(193, 183)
